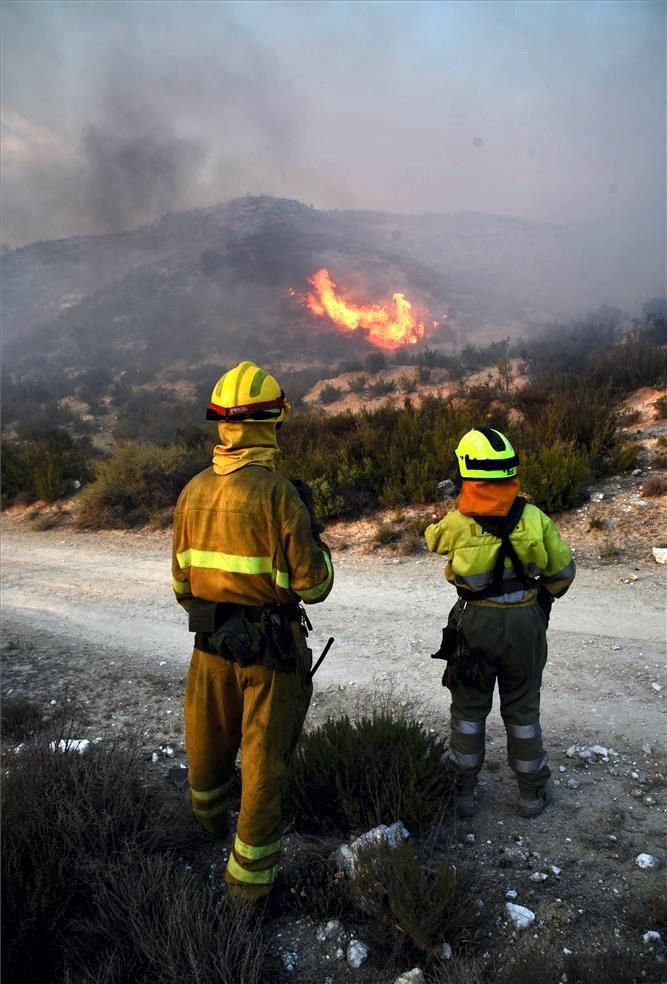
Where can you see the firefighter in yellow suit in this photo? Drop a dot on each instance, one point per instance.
(245, 555)
(508, 563)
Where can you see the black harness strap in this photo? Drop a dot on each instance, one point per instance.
(501, 527)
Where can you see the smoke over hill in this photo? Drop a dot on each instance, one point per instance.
(220, 282)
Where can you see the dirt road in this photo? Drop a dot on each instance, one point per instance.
(108, 596)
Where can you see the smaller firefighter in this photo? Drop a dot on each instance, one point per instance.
(508, 562)
(246, 553)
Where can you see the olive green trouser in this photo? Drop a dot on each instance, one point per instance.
(509, 642)
(261, 711)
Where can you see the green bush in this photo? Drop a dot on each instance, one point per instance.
(374, 362)
(139, 484)
(44, 468)
(358, 384)
(347, 776)
(555, 476)
(329, 394)
(383, 387)
(661, 406)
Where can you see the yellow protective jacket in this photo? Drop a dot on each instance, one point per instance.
(245, 538)
(471, 553)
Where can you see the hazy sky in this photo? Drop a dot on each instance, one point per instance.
(114, 112)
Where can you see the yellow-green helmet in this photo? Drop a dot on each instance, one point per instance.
(247, 393)
(484, 453)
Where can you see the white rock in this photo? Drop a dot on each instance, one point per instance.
(289, 960)
(155, 758)
(80, 745)
(340, 953)
(656, 687)
(539, 876)
(168, 751)
(647, 749)
(519, 915)
(511, 894)
(646, 861)
(652, 936)
(445, 952)
(471, 838)
(555, 871)
(597, 496)
(330, 930)
(346, 855)
(567, 951)
(357, 954)
(660, 554)
(414, 976)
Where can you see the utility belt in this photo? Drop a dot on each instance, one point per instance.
(248, 634)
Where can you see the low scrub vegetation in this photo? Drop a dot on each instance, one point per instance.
(564, 423)
(93, 891)
(348, 776)
(139, 484)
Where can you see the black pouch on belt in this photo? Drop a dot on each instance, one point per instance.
(462, 665)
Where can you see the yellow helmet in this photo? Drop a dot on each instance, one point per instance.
(484, 453)
(247, 393)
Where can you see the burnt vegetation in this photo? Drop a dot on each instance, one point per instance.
(564, 420)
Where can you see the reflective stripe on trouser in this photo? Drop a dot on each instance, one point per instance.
(526, 756)
(465, 754)
(211, 807)
(261, 711)
(509, 643)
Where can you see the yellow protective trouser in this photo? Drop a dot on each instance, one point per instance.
(261, 711)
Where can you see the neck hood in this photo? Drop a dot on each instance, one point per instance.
(479, 498)
(244, 443)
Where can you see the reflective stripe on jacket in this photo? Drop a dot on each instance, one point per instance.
(245, 539)
(471, 553)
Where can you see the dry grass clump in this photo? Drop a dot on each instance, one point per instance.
(597, 523)
(347, 776)
(19, 719)
(91, 891)
(654, 486)
(416, 900)
(385, 534)
(659, 459)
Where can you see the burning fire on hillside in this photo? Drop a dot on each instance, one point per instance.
(387, 326)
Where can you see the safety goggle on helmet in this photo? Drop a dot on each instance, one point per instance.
(247, 393)
(485, 453)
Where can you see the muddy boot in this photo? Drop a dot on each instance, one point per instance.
(464, 800)
(533, 807)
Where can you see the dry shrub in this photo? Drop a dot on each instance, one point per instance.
(19, 719)
(596, 523)
(418, 524)
(384, 534)
(609, 550)
(662, 441)
(661, 406)
(654, 486)
(90, 891)
(417, 900)
(347, 776)
(136, 484)
(659, 459)
(613, 966)
(410, 545)
(158, 923)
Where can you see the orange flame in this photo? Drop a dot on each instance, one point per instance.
(388, 327)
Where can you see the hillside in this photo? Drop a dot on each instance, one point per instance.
(213, 283)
